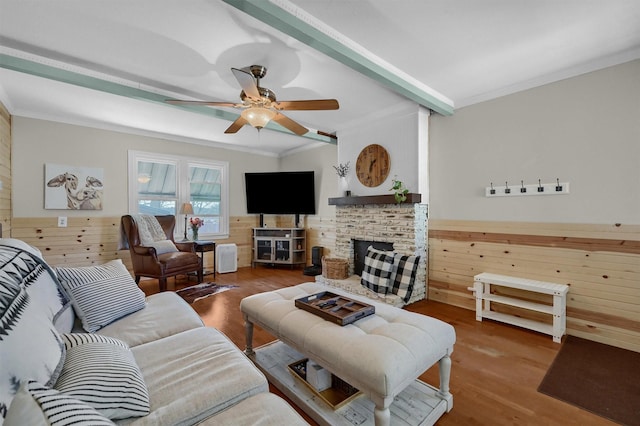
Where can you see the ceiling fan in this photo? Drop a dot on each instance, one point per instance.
(259, 104)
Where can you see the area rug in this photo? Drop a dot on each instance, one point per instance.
(202, 291)
(599, 378)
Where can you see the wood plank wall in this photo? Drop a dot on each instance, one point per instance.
(321, 232)
(601, 263)
(5, 171)
(94, 240)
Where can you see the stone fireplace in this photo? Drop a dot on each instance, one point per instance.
(379, 218)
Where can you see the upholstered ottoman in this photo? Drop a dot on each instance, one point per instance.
(380, 354)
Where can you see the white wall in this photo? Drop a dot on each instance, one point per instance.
(321, 161)
(584, 130)
(37, 142)
(397, 129)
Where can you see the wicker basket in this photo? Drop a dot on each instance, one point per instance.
(335, 268)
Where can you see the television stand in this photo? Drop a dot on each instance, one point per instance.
(279, 246)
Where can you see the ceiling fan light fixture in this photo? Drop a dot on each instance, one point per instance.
(258, 117)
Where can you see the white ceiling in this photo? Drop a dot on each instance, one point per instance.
(459, 52)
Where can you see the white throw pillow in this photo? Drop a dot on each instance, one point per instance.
(30, 345)
(101, 294)
(102, 372)
(164, 246)
(45, 289)
(38, 405)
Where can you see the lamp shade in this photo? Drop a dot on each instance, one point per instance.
(258, 117)
(186, 208)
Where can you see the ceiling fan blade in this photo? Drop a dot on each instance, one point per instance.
(318, 104)
(205, 103)
(236, 125)
(247, 82)
(290, 124)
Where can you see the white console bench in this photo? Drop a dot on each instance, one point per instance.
(482, 289)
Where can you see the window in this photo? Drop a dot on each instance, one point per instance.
(160, 184)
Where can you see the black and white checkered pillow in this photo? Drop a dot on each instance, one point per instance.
(377, 269)
(101, 294)
(102, 372)
(404, 275)
(36, 404)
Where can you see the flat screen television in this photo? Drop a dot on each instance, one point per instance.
(280, 192)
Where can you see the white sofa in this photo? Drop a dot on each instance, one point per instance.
(162, 365)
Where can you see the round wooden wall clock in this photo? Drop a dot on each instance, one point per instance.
(372, 166)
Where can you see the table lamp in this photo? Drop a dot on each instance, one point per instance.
(186, 209)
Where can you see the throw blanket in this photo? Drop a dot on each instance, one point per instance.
(149, 229)
(150, 233)
(31, 309)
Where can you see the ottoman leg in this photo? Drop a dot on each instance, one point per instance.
(444, 368)
(248, 333)
(382, 415)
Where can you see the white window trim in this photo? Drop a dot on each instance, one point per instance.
(182, 187)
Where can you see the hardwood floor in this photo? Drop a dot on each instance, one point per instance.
(496, 367)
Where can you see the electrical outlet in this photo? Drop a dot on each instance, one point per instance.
(62, 221)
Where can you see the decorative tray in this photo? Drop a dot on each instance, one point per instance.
(336, 396)
(335, 308)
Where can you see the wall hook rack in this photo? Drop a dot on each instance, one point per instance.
(555, 188)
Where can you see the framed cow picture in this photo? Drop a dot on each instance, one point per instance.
(73, 188)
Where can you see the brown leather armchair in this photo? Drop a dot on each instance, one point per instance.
(147, 263)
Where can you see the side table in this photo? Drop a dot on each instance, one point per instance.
(201, 247)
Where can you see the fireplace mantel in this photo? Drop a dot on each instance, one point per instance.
(373, 199)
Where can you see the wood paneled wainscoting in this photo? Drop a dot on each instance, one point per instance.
(600, 263)
(94, 240)
(5, 171)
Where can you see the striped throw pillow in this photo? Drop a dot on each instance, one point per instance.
(101, 294)
(38, 405)
(102, 372)
(377, 269)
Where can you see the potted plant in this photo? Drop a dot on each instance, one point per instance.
(399, 191)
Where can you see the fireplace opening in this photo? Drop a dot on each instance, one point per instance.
(360, 252)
